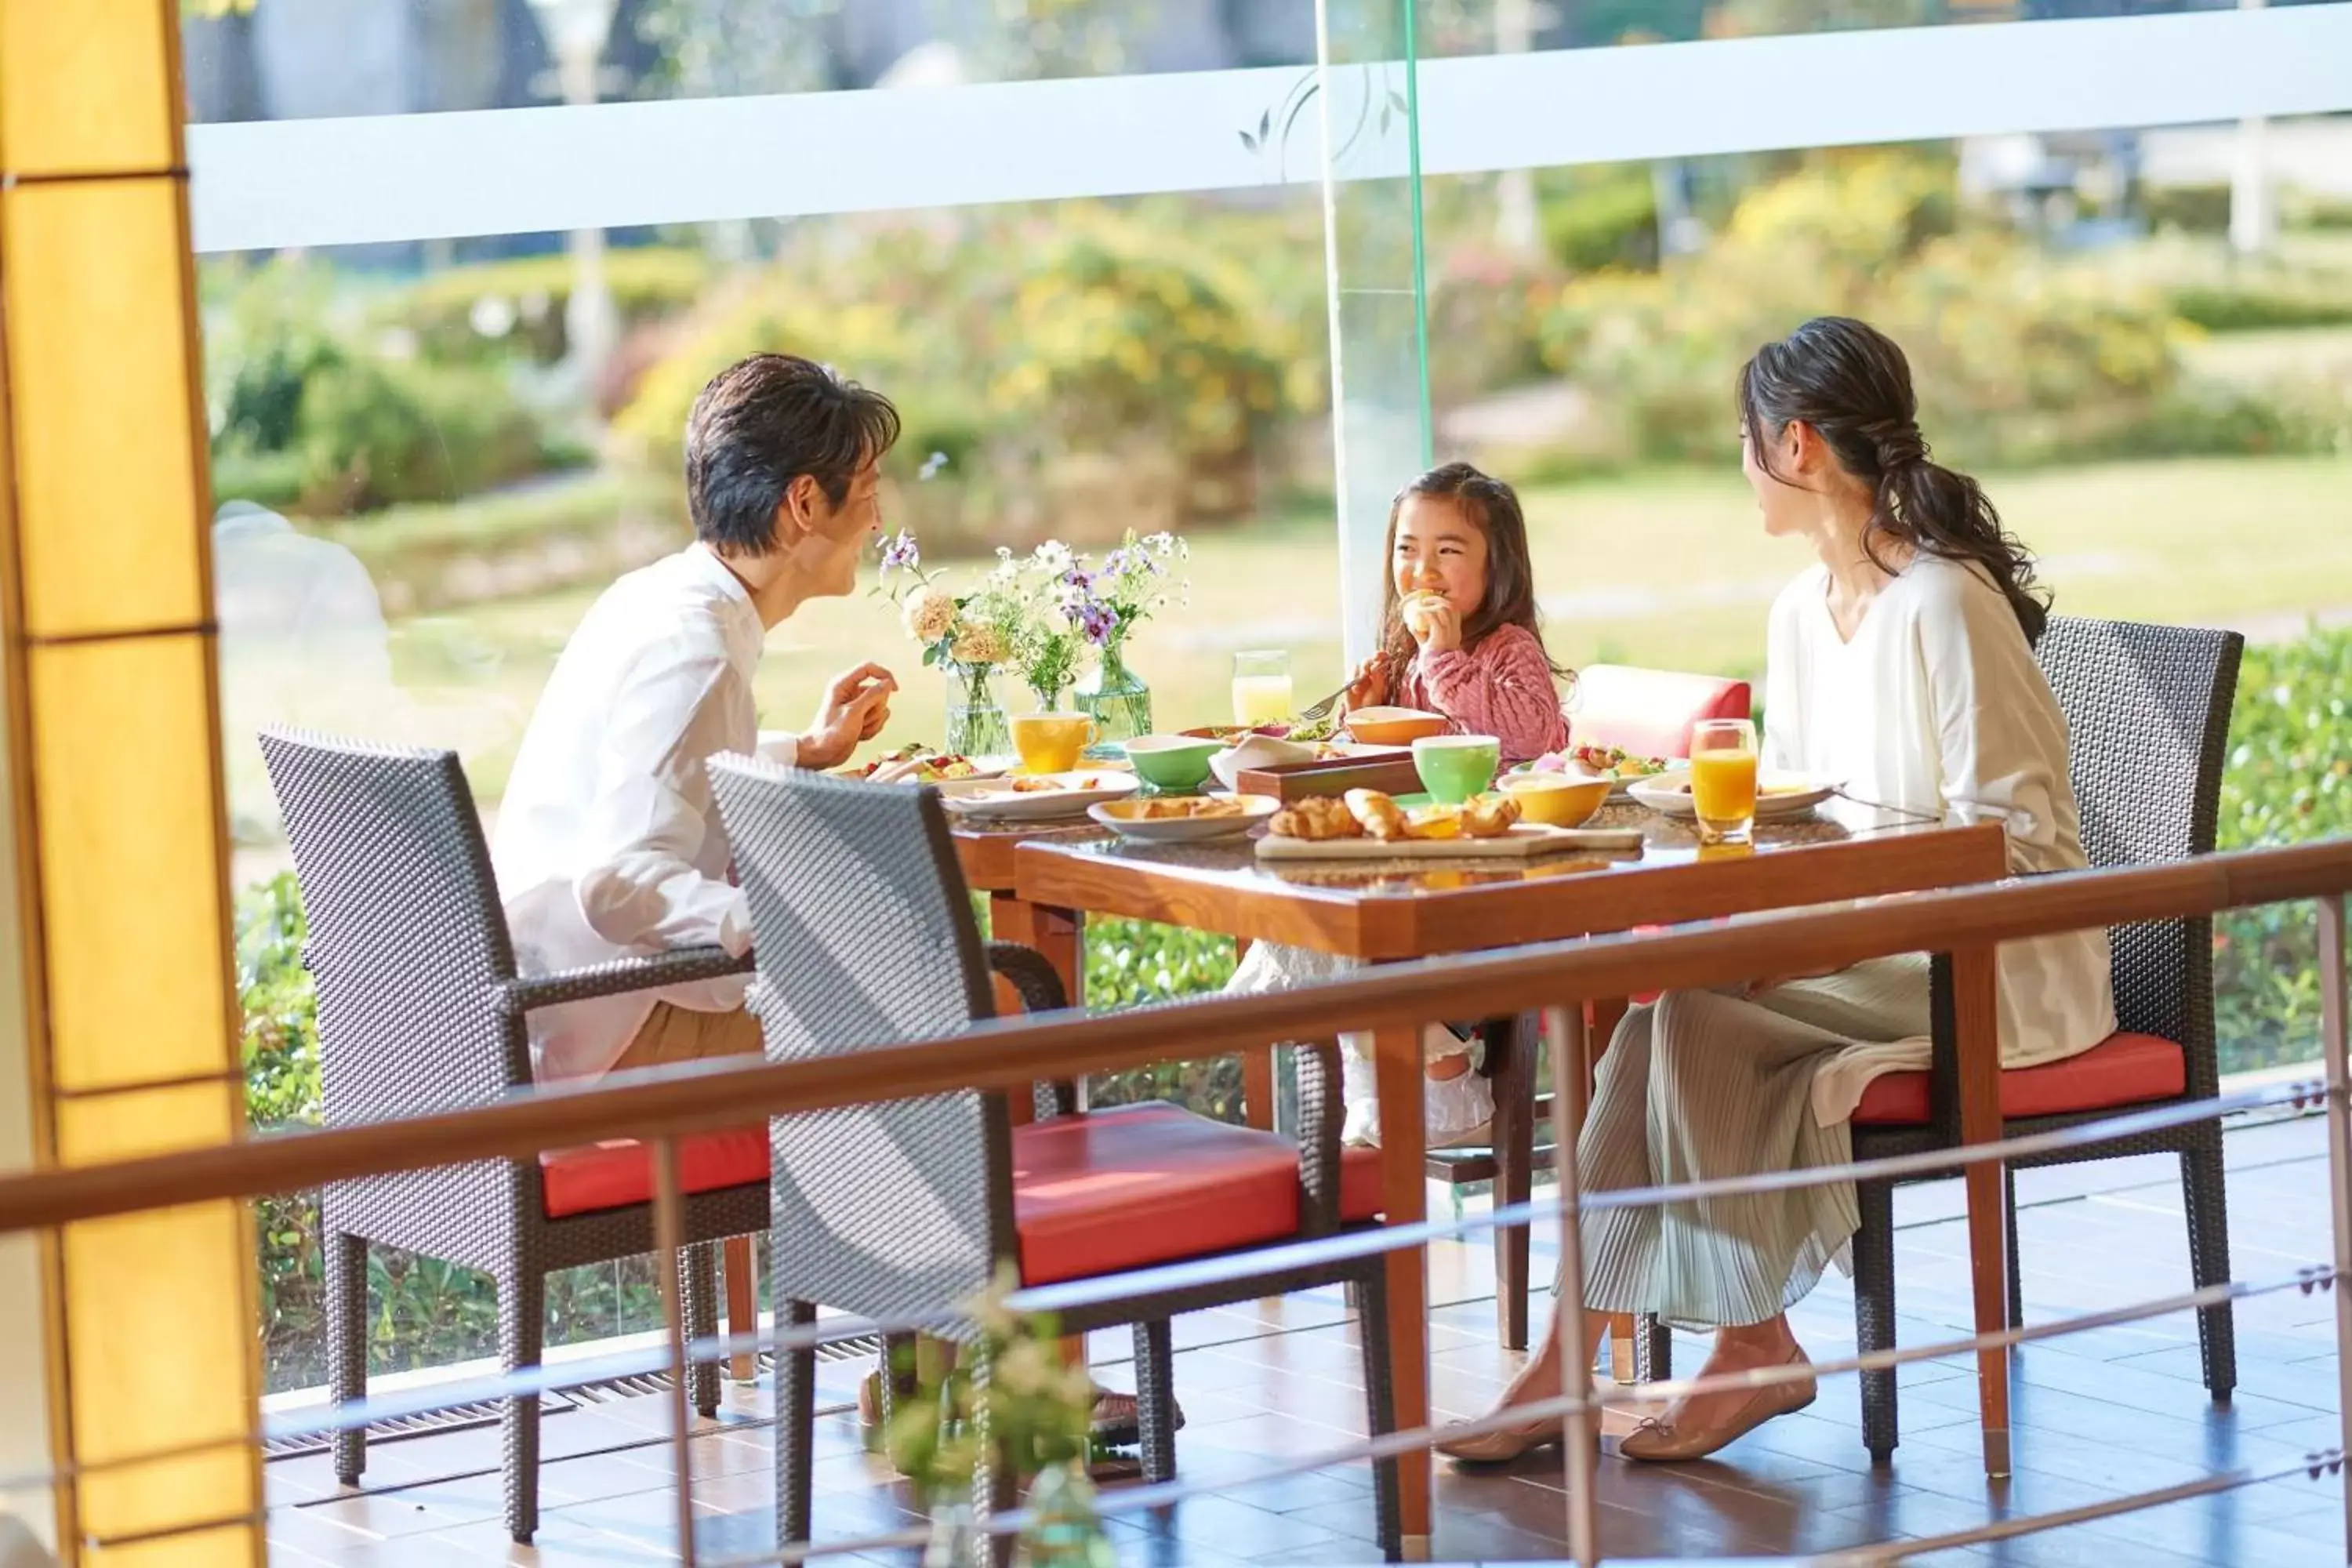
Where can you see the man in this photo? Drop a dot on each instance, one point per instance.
(608, 843)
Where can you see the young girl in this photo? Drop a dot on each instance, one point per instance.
(1458, 637)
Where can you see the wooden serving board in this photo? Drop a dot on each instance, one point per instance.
(1391, 776)
(1524, 842)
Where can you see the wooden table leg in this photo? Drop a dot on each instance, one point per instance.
(1258, 1070)
(743, 1305)
(1600, 1020)
(1057, 935)
(1404, 1200)
(1977, 1036)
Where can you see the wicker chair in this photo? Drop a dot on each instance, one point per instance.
(2147, 719)
(1649, 713)
(865, 937)
(420, 1011)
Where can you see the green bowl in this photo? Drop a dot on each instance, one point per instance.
(1172, 761)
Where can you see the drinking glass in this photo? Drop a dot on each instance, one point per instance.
(1261, 691)
(1723, 780)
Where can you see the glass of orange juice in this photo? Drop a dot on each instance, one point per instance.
(1723, 779)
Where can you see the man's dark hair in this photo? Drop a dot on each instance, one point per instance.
(762, 423)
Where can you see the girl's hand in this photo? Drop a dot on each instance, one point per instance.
(1370, 687)
(1435, 624)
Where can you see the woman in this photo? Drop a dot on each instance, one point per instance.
(1900, 665)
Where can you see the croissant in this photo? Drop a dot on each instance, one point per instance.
(1490, 816)
(1378, 813)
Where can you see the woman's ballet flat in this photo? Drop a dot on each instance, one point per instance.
(1660, 1441)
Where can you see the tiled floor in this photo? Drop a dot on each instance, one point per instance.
(2115, 1411)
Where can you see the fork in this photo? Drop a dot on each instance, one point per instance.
(1322, 711)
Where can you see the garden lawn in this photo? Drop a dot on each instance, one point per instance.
(1661, 569)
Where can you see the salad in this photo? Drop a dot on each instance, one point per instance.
(918, 764)
(1599, 762)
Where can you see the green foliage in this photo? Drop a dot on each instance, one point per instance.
(1600, 214)
(2021, 360)
(306, 412)
(2254, 305)
(1134, 964)
(2289, 780)
(501, 309)
(1022, 351)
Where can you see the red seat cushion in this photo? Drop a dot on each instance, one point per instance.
(1648, 712)
(1140, 1185)
(2122, 1070)
(615, 1175)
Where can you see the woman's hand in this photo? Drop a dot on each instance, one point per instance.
(856, 706)
(1369, 685)
(1434, 623)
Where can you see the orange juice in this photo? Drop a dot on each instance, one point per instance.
(1723, 791)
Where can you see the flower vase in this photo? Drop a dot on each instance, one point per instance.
(975, 723)
(1117, 700)
(955, 1539)
(1065, 1531)
(1049, 699)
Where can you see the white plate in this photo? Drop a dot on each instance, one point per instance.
(1622, 789)
(897, 773)
(991, 800)
(1256, 809)
(1776, 794)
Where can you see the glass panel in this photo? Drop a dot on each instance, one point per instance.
(86, 88)
(130, 874)
(97, 344)
(1372, 194)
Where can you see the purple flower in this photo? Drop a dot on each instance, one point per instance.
(1097, 621)
(899, 554)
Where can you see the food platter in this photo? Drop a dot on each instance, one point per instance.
(1184, 819)
(1524, 841)
(1043, 797)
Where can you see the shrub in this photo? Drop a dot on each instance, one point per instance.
(1599, 217)
(1035, 356)
(498, 309)
(2021, 361)
(2289, 779)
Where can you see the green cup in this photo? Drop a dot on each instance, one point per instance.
(1175, 764)
(1454, 768)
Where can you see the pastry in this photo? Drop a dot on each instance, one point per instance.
(1378, 814)
(1317, 817)
(1433, 821)
(1490, 815)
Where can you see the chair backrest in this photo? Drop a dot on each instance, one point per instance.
(865, 937)
(1648, 712)
(2147, 729)
(407, 940)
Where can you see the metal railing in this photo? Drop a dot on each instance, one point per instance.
(660, 1107)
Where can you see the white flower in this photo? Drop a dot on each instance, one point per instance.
(977, 644)
(1163, 544)
(930, 614)
(1053, 556)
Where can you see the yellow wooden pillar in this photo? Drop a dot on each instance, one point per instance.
(114, 780)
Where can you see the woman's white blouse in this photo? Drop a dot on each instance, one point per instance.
(1937, 707)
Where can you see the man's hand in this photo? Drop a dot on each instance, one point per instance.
(1370, 688)
(856, 706)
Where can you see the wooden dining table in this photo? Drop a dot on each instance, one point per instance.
(1393, 910)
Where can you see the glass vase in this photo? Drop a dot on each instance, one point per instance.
(1048, 699)
(1119, 702)
(975, 725)
(1065, 1530)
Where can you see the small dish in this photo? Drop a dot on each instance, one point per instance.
(1213, 817)
(1173, 762)
(1393, 726)
(1257, 751)
(1556, 800)
(1777, 795)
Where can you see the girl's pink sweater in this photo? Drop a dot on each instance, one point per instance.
(1501, 687)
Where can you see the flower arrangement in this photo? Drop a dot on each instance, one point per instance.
(1041, 614)
(1034, 1412)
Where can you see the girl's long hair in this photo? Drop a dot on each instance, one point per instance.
(1851, 383)
(1492, 507)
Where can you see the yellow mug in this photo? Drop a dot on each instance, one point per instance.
(1052, 743)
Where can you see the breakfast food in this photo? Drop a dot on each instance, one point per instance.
(1050, 784)
(1192, 807)
(1378, 815)
(1419, 610)
(1317, 819)
(1615, 761)
(1490, 815)
(1433, 821)
(918, 764)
